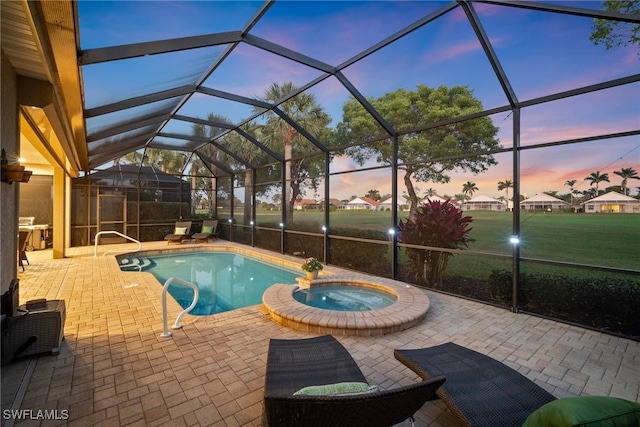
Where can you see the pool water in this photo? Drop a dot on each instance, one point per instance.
(344, 298)
(226, 280)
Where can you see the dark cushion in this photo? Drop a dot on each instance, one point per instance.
(586, 411)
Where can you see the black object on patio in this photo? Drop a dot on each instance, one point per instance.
(480, 390)
(295, 364)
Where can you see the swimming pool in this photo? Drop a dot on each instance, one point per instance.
(226, 280)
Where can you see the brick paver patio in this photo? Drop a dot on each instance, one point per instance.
(114, 368)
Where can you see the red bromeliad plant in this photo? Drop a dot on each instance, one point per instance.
(436, 224)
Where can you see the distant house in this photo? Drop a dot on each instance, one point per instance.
(483, 203)
(544, 202)
(362, 203)
(386, 205)
(306, 204)
(612, 202)
(336, 203)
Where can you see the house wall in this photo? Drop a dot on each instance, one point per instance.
(9, 193)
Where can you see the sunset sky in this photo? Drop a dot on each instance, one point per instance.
(541, 53)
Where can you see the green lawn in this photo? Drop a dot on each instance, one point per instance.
(611, 240)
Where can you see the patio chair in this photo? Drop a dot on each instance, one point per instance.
(322, 361)
(181, 232)
(209, 231)
(479, 390)
(23, 238)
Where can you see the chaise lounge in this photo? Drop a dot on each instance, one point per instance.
(209, 231)
(480, 390)
(301, 375)
(181, 232)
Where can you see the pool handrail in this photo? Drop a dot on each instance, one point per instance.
(95, 246)
(177, 324)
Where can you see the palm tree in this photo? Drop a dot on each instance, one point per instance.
(625, 174)
(505, 185)
(596, 177)
(373, 194)
(571, 184)
(430, 192)
(469, 188)
(306, 112)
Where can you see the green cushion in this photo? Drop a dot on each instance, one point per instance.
(586, 411)
(180, 231)
(207, 229)
(337, 389)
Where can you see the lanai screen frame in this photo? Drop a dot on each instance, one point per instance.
(232, 39)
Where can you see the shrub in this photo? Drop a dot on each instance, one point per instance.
(606, 303)
(438, 224)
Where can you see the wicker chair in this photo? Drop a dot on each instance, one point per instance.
(294, 364)
(479, 390)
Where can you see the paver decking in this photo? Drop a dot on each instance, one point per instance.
(114, 369)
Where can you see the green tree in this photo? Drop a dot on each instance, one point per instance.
(596, 178)
(469, 187)
(626, 174)
(614, 34)
(373, 194)
(282, 137)
(505, 185)
(430, 155)
(210, 151)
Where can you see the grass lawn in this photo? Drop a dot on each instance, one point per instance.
(611, 240)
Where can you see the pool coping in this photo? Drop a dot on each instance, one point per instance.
(409, 310)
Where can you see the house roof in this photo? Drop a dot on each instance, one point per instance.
(306, 202)
(612, 196)
(363, 200)
(134, 173)
(543, 198)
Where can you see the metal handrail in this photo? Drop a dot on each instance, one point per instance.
(177, 324)
(95, 246)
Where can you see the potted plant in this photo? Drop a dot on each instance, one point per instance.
(311, 267)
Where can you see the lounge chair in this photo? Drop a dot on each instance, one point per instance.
(209, 231)
(479, 390)
(181, 232)
(322, 361)
(23, 238)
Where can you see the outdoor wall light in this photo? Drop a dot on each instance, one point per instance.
(281, 225)
(324, 228)
(13, 172)
(391, 231)
(514, 240)
(250, 222)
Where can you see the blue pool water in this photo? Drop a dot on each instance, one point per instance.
(344, 298)
(226, 280)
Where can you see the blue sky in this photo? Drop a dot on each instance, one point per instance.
(541, 53)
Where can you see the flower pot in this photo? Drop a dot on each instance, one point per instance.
(311, 275)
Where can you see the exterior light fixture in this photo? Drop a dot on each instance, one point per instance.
(13, 172)
(514, 240)
(230, 220)
(391, 231)
(324, 228)
(281, 225)
(250, 222)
